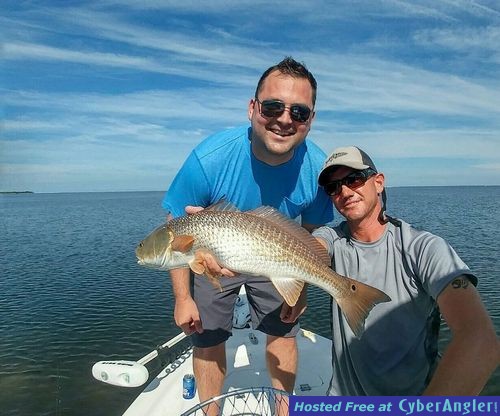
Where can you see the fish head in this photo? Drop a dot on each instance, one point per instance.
(164, 249)
(155, 250)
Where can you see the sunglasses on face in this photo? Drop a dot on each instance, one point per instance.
(353, 180)
(275, 108)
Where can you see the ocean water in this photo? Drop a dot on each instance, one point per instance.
(72, 294)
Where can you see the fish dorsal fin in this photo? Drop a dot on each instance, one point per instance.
(294, 228)
(290, 289)
(182, 243)
(222, 205)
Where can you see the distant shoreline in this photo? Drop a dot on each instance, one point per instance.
(163, 191)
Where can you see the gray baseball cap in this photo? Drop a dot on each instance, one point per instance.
(350, 156)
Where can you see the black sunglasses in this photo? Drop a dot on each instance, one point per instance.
(353, 180)
(275, 108)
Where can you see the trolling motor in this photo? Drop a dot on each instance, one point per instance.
(121, 373)
(125, 373)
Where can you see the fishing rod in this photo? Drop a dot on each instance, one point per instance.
(126, 373)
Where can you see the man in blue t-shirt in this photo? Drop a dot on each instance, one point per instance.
(269, 163)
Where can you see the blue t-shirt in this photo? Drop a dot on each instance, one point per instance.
(223, 166)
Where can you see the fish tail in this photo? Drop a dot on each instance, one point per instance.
(358, 303)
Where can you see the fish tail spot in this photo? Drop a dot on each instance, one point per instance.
(357, 305)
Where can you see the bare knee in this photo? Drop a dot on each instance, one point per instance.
(281, 350)
(276, 343)
(210, 353)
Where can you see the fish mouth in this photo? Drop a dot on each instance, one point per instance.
(150, 263)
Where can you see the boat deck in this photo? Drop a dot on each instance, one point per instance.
(246, 367)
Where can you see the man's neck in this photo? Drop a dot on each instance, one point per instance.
(367, 230)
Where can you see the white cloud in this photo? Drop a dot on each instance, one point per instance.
(368, 84)
(23, 51)
(343, 10)
(470, 40)
(404, 80)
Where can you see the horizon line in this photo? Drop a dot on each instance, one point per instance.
(29, 192)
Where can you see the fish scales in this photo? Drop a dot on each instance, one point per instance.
(251, 245)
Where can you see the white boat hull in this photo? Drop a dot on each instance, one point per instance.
(246, 367)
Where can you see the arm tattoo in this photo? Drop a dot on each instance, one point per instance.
(460, 282)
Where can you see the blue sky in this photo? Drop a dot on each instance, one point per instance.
(112, 95)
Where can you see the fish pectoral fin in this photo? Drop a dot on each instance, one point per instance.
(289, 288)
(182, 243)
(198, 265)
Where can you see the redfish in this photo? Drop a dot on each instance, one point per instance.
(260, 242)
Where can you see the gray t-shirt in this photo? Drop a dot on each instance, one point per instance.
(398, 350)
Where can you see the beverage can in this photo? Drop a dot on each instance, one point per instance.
(188, 386)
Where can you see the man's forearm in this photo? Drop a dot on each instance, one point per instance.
(180, 283)
(465, 368)
(473, 352)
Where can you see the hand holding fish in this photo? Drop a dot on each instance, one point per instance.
(289, 314)
(190, 209)
(210, 265)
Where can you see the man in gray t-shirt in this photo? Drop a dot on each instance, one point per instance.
(422, 274)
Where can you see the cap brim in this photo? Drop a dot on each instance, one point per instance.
(329, 169)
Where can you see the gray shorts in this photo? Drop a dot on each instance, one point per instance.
(216, 308)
